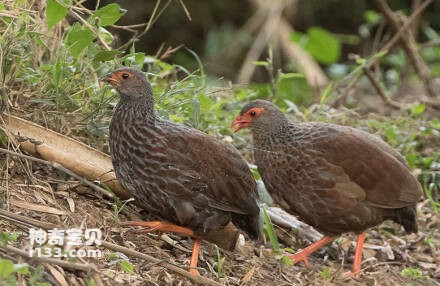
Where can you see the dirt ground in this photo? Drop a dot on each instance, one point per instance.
(387, 251)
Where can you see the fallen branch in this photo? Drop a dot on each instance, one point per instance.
(59, 167)
(281, 218)
(73, 155)
(44, 225)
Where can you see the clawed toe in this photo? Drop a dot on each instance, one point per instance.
(298, 257)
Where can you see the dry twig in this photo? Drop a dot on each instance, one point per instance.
(384, 49)
(409, 43)
(386, 99)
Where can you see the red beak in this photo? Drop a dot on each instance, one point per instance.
(239, 123)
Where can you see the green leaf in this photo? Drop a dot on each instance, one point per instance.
(325, 274)
(6, 268)
(411, 159)
(5, 237)
(372, 17)
(103, 56)
(291, 75)
(323, 45)
(260, 63)
(78, 38)
(127, 267)
(418, 109)
(219, 261)
(109, 14)
(55, 12)
(270, 231)
(286, 260)
(21, 268)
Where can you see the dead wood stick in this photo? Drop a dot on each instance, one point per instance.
(409, 44)
(44, 225)
(62, 263)
(60, 168)
(384, 49)
(386, 99)
(247, 69)
(312, 71)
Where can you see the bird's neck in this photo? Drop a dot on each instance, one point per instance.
(139, 107)
(271, 132)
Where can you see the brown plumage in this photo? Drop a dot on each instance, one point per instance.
(179, 173)
(335, 178)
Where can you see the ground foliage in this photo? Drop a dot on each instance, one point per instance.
(50, 69)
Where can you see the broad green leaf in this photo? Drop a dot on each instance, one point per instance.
(372, 17)
(411, 159)
(109, 14)
(21, 268)
(55, 12)
(105, 35)
(127, 267)
(6, 268)
(418, 109)
(78, 38)
(103, 56)
(323, 45)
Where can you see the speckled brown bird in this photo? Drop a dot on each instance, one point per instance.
(335, 178)
(181, 174)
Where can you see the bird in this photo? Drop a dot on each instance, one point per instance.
(335, 178)
(192, 181)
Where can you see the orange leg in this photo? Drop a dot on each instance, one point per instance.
(195, 257)
(302, 255)
(160, 226)
(358, 254)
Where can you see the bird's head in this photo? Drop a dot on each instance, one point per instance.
(257, 114)
(129, 83)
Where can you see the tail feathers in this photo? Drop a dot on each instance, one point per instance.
(407, 217)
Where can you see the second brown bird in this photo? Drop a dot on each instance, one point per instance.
(335, 178)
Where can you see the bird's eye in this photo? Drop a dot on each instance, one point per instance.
(125, 75)
(252, 113)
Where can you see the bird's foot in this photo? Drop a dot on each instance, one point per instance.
(298, 257)
(159, 226)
